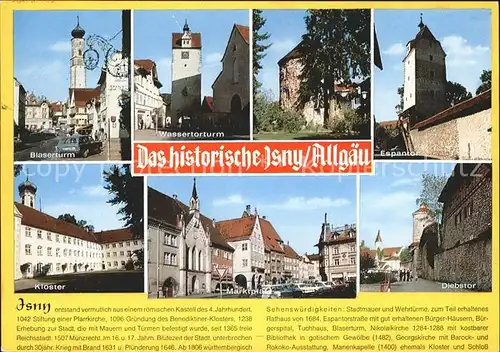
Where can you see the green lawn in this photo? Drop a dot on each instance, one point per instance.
(301, 135)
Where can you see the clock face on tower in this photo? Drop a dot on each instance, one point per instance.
(185, 55)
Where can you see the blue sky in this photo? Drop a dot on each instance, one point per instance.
(285, 28)
(153, 39)
(76, 189)
(294, 205)
(464, 34)
(388, 199)
(42, 47)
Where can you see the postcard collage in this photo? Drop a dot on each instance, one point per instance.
(414, 82)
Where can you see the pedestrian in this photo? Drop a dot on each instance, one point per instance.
(407, 275)
(400, 275)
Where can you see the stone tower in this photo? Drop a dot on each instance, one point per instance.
(78, 77)
(421, 218)
(424, 76)
(27, 193)
(186, 73)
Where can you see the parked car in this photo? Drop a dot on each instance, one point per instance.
(80, 145)
(277, 291)
(306, 289)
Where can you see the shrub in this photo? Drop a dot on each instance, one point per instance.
(129, 265)
(376, 277)
(269, 117)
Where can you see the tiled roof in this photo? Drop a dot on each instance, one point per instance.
(111, 236)
(292, 54)
(239, 229)
(313, 257)
(195, 40)
(422, 209)
(56, 107)
(244, 31)
(460, 173)
(391, 251)
(146, 64)
(289, 252)
(370, 252)
(271, 238)
(37, 219)
(468, 107)
(167, 209)
(423, 33)
(84, 95)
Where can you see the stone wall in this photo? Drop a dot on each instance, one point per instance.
(464, 138)
(469, 263)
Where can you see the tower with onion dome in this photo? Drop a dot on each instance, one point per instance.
(27, 193)
(78, 77)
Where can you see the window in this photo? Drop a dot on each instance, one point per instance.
(336, 250)
(27, 232)
(129, 253)
(458, 218)
(244, 247)
(115, 263)
(136, 243)
(49, 236)
(185, 55)
(337, 262)
(123, 263)
(431, 58)
(109, 263)
(353, 260)
(432, 74)
(173, 259)
(57, 238)
(107, 246)
(408, 78)
(69, 252)
(114, 245)
(65, 252)
(121, 244)
(27, 249)
(64, 239)
(128, 244)
(39, 234)
(39, 251)
(114, 254)
(166, 258)
(122, 253)
(245, 262)
(58, 267)
(58, 252)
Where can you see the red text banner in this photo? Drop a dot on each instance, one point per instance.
(339, 157)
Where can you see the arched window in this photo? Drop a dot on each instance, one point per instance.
(193, 258)
(200, 262)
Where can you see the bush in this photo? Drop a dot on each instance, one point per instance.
(269, 117)
(129, 265)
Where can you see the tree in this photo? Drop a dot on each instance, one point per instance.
(336, 48)
(258, 48)
(80, 223)
(405, 255)
(363, 245)
(399, 108)
(17, 169)
(485, 82)
(366, 262)
(456, 93)
(432, 185)
(127, 192)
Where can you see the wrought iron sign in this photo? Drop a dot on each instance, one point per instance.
(114, 63)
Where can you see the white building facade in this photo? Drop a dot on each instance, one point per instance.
(147, 98)
(37, 116)
(45, 245)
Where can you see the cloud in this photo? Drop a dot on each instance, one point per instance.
(233, 199)
(94, 191)
(460, 53)
(63, 46)
(282, 46)
(395, 49)
(315, 203)
(213, 58)
(406, 182)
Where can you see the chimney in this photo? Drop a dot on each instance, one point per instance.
(175, 196)
(248, 208)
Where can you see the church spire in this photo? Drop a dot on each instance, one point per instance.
(194, 194)
(186, 26)
(379, 238)
(421, 24)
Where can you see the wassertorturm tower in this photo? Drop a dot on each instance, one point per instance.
(424, 76)
(78, 77)
(186, 72)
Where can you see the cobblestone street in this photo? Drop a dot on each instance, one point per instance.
(420, 285)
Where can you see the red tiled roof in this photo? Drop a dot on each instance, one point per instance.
(37, 219)
(236, 229)
(478, 103)
(289, 252)
(370, 252)
(195, 40)
(271, 238)
(84, 95)
(118, 235)
(244, 31)
(422, 209)
(391, 251)
(146, 64)
(56, 107)
(167, 209)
